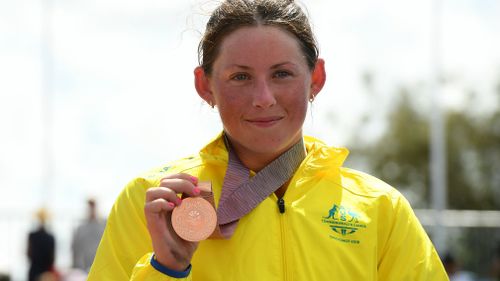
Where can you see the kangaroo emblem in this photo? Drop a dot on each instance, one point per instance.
(332, 212)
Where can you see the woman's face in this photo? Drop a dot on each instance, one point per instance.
(261, 84)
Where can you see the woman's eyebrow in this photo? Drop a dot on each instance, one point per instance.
(278, 65)
(238, 66)
(274, 66)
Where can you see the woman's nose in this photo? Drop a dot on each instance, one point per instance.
(263, 96)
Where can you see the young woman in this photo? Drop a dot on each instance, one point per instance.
(286, 208)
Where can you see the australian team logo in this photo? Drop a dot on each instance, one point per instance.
(343, 221)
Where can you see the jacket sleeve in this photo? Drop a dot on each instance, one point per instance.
(125, 250)
(144, 270)
(408, 253)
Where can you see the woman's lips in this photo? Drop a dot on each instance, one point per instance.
(264, 121)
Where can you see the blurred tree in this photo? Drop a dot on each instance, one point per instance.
(401, 155)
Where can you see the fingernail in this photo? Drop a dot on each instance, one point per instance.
(196, 190)
(178, 201)
(170, 204)
(194, 180)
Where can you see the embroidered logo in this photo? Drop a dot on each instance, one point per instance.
(343, 221)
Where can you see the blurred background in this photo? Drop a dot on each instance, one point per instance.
(93, 93)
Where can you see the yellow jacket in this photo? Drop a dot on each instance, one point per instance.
(338, 224)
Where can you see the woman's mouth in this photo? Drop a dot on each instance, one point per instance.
(264, 121)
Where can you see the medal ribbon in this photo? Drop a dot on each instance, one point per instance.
(241, 194)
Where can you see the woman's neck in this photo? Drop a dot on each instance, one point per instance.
(254, 160)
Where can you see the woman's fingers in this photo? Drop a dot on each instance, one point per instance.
(181, 183)
(167, 194)
(158, 205)
(165, 197)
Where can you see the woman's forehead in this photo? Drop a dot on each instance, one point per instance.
(261, 34)
(259, 44)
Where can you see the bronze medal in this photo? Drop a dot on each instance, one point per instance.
(194, 220)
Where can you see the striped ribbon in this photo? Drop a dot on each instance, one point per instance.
(241, 194)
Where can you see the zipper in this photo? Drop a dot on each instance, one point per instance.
(281, 208)
(281, 205)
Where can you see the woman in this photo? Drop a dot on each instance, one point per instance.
(297, 214)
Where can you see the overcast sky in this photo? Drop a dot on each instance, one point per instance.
(121, 88)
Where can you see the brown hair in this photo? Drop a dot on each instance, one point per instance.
(233, 14)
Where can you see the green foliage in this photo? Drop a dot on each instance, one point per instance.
(473, 161)
(401, 155)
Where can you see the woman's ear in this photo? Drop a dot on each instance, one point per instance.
(318, 78)
(202, 86)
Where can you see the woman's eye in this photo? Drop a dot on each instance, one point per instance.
(282, 74)
(240, 77)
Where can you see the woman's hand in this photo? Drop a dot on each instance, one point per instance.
(170, 250)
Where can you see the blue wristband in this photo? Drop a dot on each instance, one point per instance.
(165, 270)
